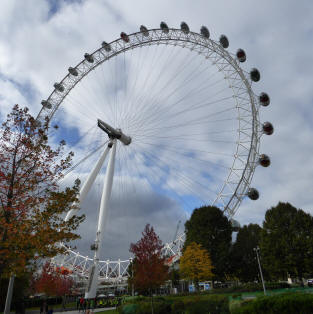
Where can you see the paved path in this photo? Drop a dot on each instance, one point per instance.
(72, 311)
(81, 312)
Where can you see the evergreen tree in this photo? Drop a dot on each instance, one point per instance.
(209, 227)
(287, 242)
(243, 262)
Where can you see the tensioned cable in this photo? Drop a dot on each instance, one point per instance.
(156, 176)
(84, 159)
(187, 164)
(183, 179)
(170, 80)
(178, 72)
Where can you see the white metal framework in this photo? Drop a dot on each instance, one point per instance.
(112, 271)
(245, 156)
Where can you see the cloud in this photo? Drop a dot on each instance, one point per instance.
(39, 41)
(126, 220)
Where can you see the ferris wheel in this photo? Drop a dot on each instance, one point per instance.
(174, 113)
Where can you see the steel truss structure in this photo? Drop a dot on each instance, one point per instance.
(246, 157)
(112, 271)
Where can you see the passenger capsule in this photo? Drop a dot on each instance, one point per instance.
(264, 99)
(73, 71)
(125, 37)
(184, 27)
(224, 41)
(46, 104)
(144, 30)
(253, 194)
(164, 27)
(89, 57)
(59, 87)
(205, 32)
(264, 160)
(268, 128)
(106, 46)
(255, 75)
(241, 55)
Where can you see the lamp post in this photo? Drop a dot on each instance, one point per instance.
(257, 250)
(131, 261)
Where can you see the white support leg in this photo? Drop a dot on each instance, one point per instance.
(107, 188)
(88, 183)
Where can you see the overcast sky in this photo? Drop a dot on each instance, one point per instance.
(40, 39)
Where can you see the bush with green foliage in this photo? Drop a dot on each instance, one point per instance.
(251, 287)
(192, 304)
(127, 309)
(178, 307)
(213, 304)
(283, 303)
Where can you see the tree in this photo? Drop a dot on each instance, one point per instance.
(287, 242)
(53, 281)
(149, 270)
(21, 289)
(195, 264)
(243, 261)
(174, 275)
(209, 227)
(31, 203)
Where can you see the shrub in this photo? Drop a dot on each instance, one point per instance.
(251, 287)
(143, 306)
(191, 304)
(284, 303)
(158, 308)
(178, 307)
(214, 304)
(128, 309)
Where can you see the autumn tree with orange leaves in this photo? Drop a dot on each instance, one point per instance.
(149, 269)
(195, 264)
(53, 281)
(31, 202)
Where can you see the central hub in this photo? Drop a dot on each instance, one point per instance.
(114, 133)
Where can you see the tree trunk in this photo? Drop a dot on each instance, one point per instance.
(197, 285)
(151, 297)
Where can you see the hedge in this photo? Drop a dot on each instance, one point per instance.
(251, 287)
(283, 303)
(198, 304)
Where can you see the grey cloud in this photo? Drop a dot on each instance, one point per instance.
(277, 38)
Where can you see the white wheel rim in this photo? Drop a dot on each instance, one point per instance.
(240, 174)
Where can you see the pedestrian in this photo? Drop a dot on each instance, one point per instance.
(44, 308)
(81, 304)
(92, 305)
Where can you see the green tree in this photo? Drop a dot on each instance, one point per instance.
(209, 227)
(31, 202)
(243, 262)
(174, 275)
(287, 242)
(195, 264)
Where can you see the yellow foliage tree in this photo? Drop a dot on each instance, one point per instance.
(195, 264)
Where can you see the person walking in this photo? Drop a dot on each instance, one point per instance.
(44, 308)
